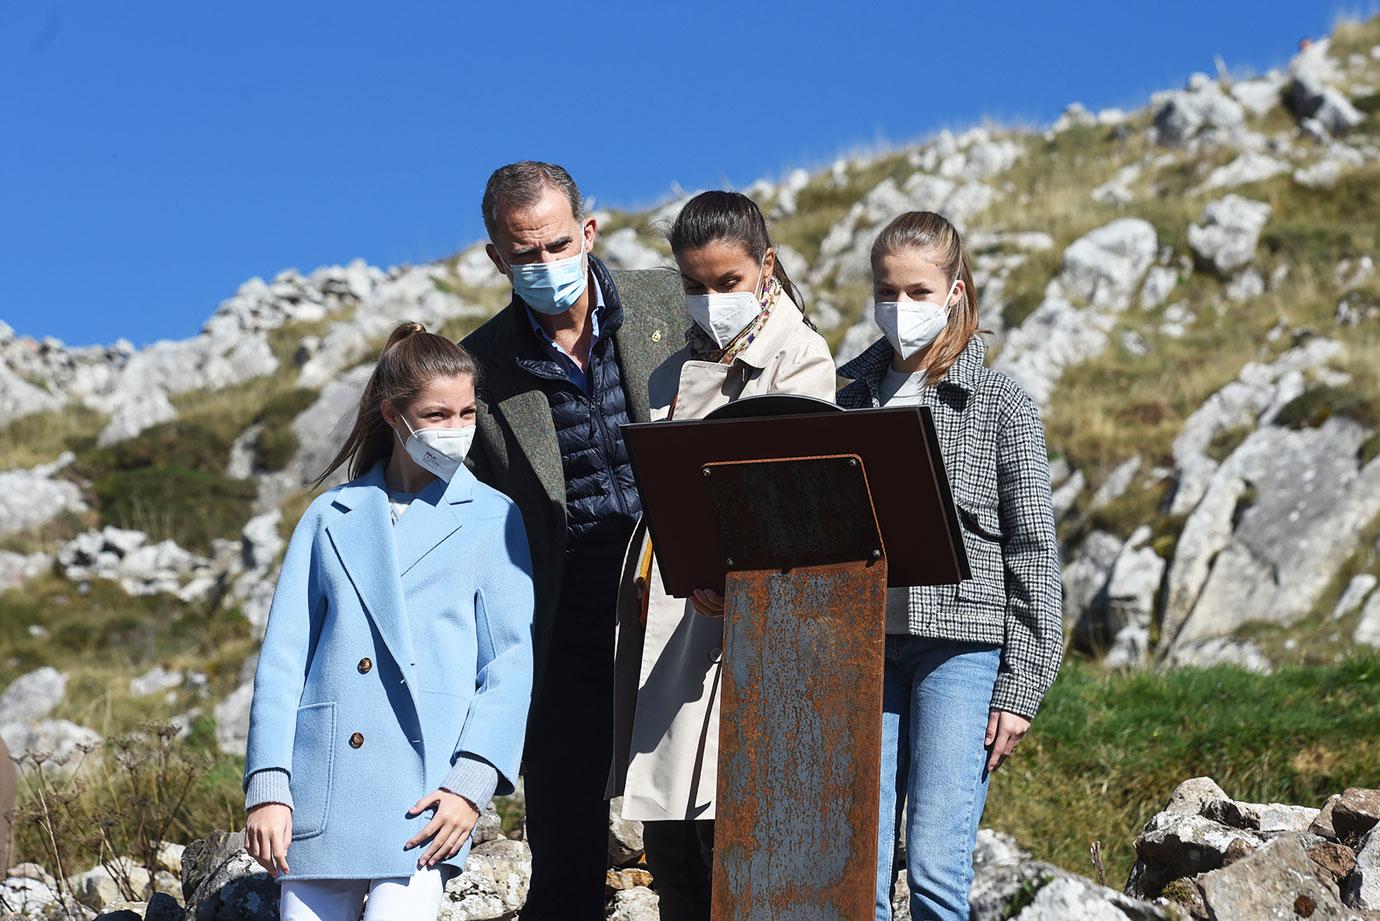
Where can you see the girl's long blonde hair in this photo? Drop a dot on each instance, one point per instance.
(411, 358)
(938, 238)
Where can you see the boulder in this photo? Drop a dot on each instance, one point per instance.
(625, 836)
(1100, 273)
(99, 887)
(155, 680)
(59, 743)
(1309, 98)
(1278, 880)
(623, 250)
(1131, 590)
(1202, 108)
(232, 719)
(1361, 889)
(493, 884)
(1355, 813)
(33, 497)
(220, 882)
(638, 904)
(136, 412)
(1085, 581)
(1230, 230)
(1220, 650)
(1248, 167)
(1264, 817)
(32, 696)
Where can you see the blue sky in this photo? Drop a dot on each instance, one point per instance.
(153, 155)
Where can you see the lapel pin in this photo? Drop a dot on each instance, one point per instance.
(656, 336)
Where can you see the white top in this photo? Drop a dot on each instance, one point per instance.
(898, 388)
(398, 503)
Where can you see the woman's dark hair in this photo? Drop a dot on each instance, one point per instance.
(731, 216)
(411, 359)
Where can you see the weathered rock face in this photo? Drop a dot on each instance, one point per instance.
(1200, 109)
(1226, 239)
(29, 498)
(1276, 523)
(1100, 274)
(141, 567)
(220, 882)
(1219, 858)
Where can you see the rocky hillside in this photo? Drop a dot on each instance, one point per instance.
(1188, 289)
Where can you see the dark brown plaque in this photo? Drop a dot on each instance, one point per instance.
(897, 448)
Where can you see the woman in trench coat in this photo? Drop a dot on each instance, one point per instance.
(749, 338)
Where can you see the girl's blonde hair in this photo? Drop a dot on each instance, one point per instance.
(410, 359)
(937, 237)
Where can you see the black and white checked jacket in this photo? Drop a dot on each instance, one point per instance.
(994, 452)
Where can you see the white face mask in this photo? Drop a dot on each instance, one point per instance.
(439, 450)
(724, 316)
(912, 325)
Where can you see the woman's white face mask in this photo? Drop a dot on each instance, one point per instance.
(912, 325)
(724, 316)
(438, 450)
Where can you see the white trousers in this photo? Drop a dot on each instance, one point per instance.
(399, 898)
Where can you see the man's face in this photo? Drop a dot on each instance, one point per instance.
(544, 231)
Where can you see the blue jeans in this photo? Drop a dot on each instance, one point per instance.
(936, 697)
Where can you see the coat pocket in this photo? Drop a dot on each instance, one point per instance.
(313, 769)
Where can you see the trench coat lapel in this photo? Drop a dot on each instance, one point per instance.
(528, 414)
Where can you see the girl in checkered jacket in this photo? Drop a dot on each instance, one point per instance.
(966, 664)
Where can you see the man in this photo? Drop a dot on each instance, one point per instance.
(564, 365)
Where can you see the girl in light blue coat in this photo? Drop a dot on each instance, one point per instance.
(392, 688)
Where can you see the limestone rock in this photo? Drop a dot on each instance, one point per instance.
(1362, 888)
(1101, 271)
(1309, 98)
(1276, 881)
(1282, 538)
(32, 696)
(638, 904)
(1226, 239)
(221, 882)
(493, 884)
(232, 719)
(1202, 108)
(625, 836)
(134, 414)
(154, 680)
(1085, 580)
(623, 250)
(29, 498)
(1355, 813)
(1264, 817)
(1220, 650)
(1248, 167)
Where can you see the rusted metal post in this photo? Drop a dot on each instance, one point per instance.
(800, 726)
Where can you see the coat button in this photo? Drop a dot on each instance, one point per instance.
(365, 665)
(715, 654)
(356, 740)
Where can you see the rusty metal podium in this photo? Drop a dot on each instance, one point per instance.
(798, 544)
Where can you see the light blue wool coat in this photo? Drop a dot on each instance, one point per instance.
(440, 605)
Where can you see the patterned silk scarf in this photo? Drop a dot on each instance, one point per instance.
(704, 348)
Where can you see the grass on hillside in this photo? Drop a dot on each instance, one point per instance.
(40, 437)
(1107, 750)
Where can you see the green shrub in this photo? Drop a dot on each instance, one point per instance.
(277, 442)
(1316, 405)
(186, 505)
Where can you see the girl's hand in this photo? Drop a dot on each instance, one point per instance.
(449, 827)
(267, 834)
(707, 602)
(1004, 732)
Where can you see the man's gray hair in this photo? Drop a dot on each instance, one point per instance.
(520, 185)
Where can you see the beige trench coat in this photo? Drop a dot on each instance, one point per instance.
(667, 672)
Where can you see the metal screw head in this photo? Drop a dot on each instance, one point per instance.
(876, 554)
(852, 462)
(730, 562)
(706, 471)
